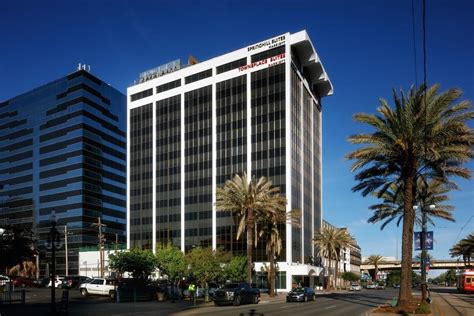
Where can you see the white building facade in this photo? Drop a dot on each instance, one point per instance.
(191, 128)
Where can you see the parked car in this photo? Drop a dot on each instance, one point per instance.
(371, 286)
(380, 286)
(355, 287)
(23, 282)
(99, 286)
(74, 281)
(396, 286)
(41, 282)
(4, 280)
(301, 294)
(58, 282)
(236, 293)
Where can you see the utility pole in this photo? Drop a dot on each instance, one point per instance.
(423, 265)
(101, 245)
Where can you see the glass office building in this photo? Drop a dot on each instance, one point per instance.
(63, 148)
(191, 128)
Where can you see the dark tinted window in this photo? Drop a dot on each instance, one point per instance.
(141, 95)
(268, 53)
(232, 65)
(199, 76)
(168, 86)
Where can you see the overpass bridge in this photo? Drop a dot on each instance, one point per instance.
(435, 264)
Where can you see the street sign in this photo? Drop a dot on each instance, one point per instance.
(428, 240)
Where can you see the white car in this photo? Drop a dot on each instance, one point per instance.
(355, 287)
(371, 286)
(99, 286)
(58, 283)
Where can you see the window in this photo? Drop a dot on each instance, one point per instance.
(232, 65)
(168, 86)
(199, 76)
(97, 281)
(268, 53)
(141, 95)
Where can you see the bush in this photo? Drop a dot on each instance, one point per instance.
(423, 309)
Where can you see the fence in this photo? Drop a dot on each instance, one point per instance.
(9, 297)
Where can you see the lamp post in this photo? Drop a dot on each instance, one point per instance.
(66, 234)
(53, 243)
(424, 228)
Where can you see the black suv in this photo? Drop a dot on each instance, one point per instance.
(73, 281)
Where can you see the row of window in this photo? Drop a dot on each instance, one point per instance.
(193, 232)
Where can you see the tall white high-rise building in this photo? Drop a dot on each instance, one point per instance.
(191, 128)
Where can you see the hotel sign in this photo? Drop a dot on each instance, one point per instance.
(269, 62)
(160, 71)
(268, 44)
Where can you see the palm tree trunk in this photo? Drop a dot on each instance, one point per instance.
(250, 231)
(405, 295)
(271, 275)
(336, 270)
(376, 271)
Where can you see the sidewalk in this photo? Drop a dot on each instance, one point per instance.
(450, 306)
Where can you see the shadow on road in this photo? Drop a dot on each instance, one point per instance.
(371, 300)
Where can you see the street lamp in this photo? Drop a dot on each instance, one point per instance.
(424, 227)
(53, 243)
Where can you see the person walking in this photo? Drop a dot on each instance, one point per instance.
(192, 291)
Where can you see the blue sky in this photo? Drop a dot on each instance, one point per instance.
(366, 47)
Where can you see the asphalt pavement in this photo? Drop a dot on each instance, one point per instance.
(340, 303)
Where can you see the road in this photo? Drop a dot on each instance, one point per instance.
(346, 303)
(349, 303)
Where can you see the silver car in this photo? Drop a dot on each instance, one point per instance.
(355, 287)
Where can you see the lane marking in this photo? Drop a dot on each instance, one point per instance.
(330, 307)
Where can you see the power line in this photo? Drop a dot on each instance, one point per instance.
(414, 40)
(462, 228)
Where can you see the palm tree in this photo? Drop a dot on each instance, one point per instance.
(330, 241)
(392, 207)
(464, 248)
(248, 201)
(375, 260)
(269, 228)
(426, 133)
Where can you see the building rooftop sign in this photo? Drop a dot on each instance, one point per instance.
(160, 71)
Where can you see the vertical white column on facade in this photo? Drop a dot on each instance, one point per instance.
(153, 183)
(302, 182)
(288, 147)
(249, 124)
(312, 131)
(320, 121)
(128, 175)
(214, 164)
(182, 177)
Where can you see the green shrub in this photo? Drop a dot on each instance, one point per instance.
(423, 309)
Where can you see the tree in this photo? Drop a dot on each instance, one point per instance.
(426, 134)
(428, 193)
(350, 277)
(375, 260)
(464, 248)
(330, 241)
(170, 261)
(206, 264)
(236, 269)
(247, 200)
(268, 227)
(140, 263)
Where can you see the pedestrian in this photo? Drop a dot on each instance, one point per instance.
(192, 290)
